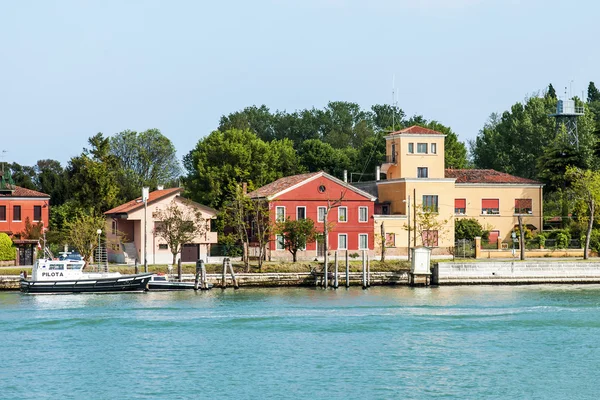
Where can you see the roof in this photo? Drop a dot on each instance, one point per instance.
(280, 185)
(23, 192)
(289, 182)
(486, 176)
(416, 130)
(137, 203)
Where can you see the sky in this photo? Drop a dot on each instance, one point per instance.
(71, 69)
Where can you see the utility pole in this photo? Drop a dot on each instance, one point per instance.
(145, 193)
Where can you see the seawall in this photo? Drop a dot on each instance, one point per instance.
(11, 282)
(516, 272)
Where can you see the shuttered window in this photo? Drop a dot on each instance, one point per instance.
(16, 213)
(460, 206)
(523, 206)
(37, 213)
(2, 213)
(490, 206)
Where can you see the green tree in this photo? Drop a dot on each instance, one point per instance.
(7, 250)
(179, 223)
(467, 228)
(296, 234)
(83, 234)
(593, 94)
(551, 93)
(255, 119)
(585, 186)
(223, 159)
(143, 159)
(51, 179)
(23, 176)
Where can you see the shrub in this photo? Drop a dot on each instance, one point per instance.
(467, 228)
(562, 241)
(7, 251)
(595, 240)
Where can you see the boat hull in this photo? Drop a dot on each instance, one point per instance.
(123, 283)
(153, 286)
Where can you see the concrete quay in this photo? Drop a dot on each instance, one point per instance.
(516, 272)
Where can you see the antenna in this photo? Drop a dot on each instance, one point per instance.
(393, 99)
(2, 161)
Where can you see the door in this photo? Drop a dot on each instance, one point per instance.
(26, 255)
(190, 252)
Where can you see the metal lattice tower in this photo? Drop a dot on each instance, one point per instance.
(566, 115)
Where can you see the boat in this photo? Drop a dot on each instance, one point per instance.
(50, 275)
(162, 282)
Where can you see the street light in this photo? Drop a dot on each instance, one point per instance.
(145, 192)
(99, 232)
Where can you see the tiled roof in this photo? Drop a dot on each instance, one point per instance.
(485, 176)
(416, 130)
(134, 204)
(23, 192)
(279, 185)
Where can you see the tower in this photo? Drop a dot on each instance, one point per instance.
(566, 115)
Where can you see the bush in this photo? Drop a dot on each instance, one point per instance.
(562, 241)
(467, 228)
(595, 240)
(7, 251)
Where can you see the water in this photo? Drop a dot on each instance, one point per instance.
(511, 342)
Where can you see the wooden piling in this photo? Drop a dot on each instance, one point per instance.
(325, 271)
(368, 270)
(335, 276)
(197, 276)
(179, 270)
(235, 282)
(204, 282)
(223, 275)
(347, 271)
(364, 271)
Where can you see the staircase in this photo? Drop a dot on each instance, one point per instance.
(130, 253)
(101, 258)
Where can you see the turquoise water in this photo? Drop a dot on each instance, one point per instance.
(510, 342)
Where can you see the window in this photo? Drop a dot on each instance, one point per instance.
(385, 209)
(37, 213)
(114, 227)
(433, 148)
(363, 214)
(300, 213)
(490, 206)
(430, 203)
(342, 241)
(422, 148)
(342, 214)
(163, 246)
(460, 206)
(279, 242)
(493, 236)
(390, 240)
(322, 189)
(363, 241)
(16, 213)
(430, 238)
(411, 148)
(523, 206)
(2, 213)
(394, 153)
(279, 214)
(421, 172)
(321, 214)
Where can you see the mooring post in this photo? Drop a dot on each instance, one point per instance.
(368, 269)
(223, 281)
(235, 282)
(325, 273)
(179, 270)
(137, 269)
(204, 283)
(347, 271)
(364, 271)
(197, 276)
(335, 273)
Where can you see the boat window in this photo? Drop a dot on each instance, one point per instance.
(74, 266)
(160, 278)
(56, 267)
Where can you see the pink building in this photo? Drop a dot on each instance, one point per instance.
(307, 196)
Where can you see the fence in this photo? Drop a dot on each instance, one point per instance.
(223, 250)
(464, 248)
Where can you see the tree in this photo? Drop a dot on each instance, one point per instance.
(92, 177)
(551, 93)
(593, 93)
(143, 159)
(296, 234)
(467, 228)
(83, 233)
(32, 231)
(23, 176)
(7, 250)
(179, 223)
(222, 160)
(585, 186)
(51, 179)
(429, 228)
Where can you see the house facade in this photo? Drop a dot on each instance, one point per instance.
(309, 196)
(17, 205)
(416, 184)
(131, 229)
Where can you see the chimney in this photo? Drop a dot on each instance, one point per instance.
(346, 176)
(244, 188)
(377, 172)
(160, 187)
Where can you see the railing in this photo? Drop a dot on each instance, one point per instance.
(391, 159)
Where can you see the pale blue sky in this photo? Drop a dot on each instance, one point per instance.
(70, 69)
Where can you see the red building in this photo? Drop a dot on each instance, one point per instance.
(307, 196)
(18, 204)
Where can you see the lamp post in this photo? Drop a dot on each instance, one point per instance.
(99, 232)
(145, 192)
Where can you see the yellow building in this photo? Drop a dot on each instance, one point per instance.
(420, 195)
